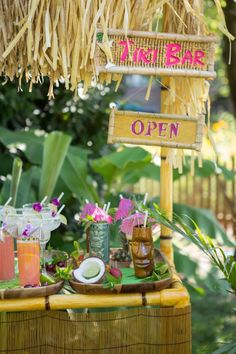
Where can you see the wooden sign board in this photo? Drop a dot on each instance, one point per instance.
(151, 53)
(174, 131)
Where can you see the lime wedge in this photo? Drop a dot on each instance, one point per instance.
(91, 271)
(46, 278)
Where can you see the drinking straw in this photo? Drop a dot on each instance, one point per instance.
(104, 207)
(145, 219)
(44, 200)
(61, 208)
(60, 196)
(7, 202)
(108, 207)
(121, 196)
(86, 201)
(145, 198)
(96, 205)
(137, 216)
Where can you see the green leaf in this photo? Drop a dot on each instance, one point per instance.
(16, 175)
(206, 219)
(29, 143)
(229, 175)
(55, 149)
(150, 171)
(226, 349)
(74, 175)
(116, 163)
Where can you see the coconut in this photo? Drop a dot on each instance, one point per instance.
(90, 271)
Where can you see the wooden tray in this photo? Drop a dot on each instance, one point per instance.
(21, 293)
(82, 288)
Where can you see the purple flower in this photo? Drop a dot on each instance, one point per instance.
(124, 209)
(54, 213)
(37, 207)
(56, 202)
(27, 230)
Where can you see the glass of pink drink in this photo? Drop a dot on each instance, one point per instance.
(7, 267)
(28, 251)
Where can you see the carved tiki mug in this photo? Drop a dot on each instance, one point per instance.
(142, 251)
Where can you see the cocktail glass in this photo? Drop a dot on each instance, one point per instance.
(28, 252)
(45, 213)
(7, 266)
(43, 226)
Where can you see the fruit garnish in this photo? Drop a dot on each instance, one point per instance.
(91, 271)
(64, 273)
(46, 278)
(116, 272)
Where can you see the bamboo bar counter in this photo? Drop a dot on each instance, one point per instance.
(175, 297)
(152, 323)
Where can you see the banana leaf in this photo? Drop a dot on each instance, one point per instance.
(30, 144)
(113, 165)
(55, 149)
(75, 175)
(16, 175)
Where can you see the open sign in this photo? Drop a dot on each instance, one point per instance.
(174, 131)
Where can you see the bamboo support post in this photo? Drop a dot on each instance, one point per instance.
(166, 192)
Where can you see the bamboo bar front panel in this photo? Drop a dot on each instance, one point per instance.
(151, 53)
(174, 131)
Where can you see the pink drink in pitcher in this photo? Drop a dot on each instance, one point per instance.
(7, 268)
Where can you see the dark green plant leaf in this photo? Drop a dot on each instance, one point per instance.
(229, 348)
(74, 175)
(16, 175)
(30, 144)
(150, 171)
(111, 165)
(55, 149)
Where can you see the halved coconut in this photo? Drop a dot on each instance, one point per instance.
(90, 271)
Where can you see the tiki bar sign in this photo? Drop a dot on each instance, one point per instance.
(150, 53)
(156, 129)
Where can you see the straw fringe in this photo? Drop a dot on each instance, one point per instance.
(57, 38)
(150, 330)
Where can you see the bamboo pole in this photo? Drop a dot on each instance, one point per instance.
(176, 297)
(29, 304)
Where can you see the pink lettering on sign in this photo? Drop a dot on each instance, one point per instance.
(187, 57)
(173, 54)
(143, 56)
(199, 54)
(174, 129)
(137, 127)
(172, 49)
(162, 128)
(155, 129)
(126, 45)
(151, 126)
